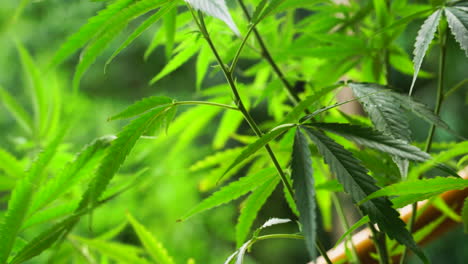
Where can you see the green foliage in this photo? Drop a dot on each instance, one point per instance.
(282, 64)
(303, 183)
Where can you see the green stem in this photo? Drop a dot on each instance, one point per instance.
(266, 54)
(455, 88)
(238, 100)
(289, 236)
(239, 50)
(322, 251)
(380, 244)
(439, 99)
(206, 103)
(344, 221)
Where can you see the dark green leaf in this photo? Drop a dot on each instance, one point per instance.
(303, 184)
(458, 21)
(359, 185)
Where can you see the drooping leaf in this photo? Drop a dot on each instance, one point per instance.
(374, 139)
(458, 22)
(16, 110)
(93, 27)
(154, 248)
(217, 9)
(251, 207)
(303, 184)
(186, 49)
(142, 27)
(233, 191)
(21, 198)
(261, 142)
(386, 115)
(359, 185)
(424, 38)
(434, 185)
(142, 106)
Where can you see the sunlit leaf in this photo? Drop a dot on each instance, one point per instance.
(251, 207)
(10, 165)
(433, 185)
(303, 184)
(143, 106)
(424, 38)
(232, 191)
(261, 142)
(16, 110)
(154, 248)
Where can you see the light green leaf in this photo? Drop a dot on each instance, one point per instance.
(142, 27)
(154, 248)
(118, 152)
(34, 76)
(187, 49)
(374, 139)
(232, 191)
(21, 198)
(16, 110)
(10, 165)
(170, 27)
(143, 106)
(303, 184)
(261, 142)
(251, 207)
(442, 205)
(84, 165)
(359, 185)
(203, 62)
(458, 22)
(217, 158)
(217, 9)
(119, 252)
(435, 185)
(424, 38)
(90, 30)
(228, 126)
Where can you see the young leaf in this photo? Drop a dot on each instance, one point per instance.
(303, 184)
(232, 191)
(251, 207)
(424, 38)
(154, 248)
(188, 49)
(21, 198)
(142, 106)
(93, 27)
(16, 110)
(217, 9)
(458, 22)
(261, 142)
(359, 185)
(374, 139)
(118, 152)
(434, 185)
(84, 164)
(141, 28)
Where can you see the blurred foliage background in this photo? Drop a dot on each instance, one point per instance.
(167, 189)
